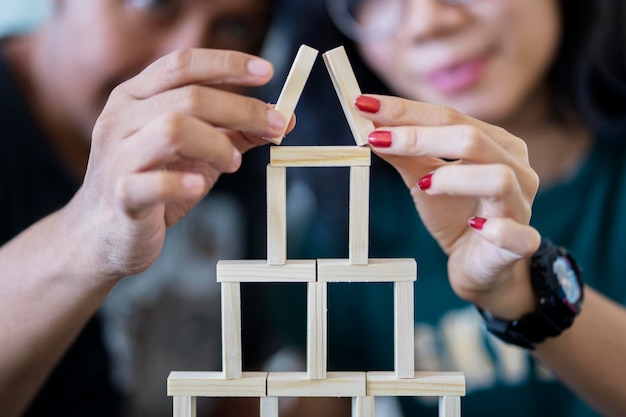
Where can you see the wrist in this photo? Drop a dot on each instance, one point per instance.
(557, 284)
(514, 298)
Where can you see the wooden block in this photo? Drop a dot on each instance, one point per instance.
(297, 384)
(292, 89)
(276, 215)
(449, 406)
(213, 384)
(363, 407)
(260, 271)
(269, 407)
(317, 329)
(376, 270)
(320, 156)
(184, 406)
(231, 330)
(404, 333)
(348, 90)
(429, 384)
(358, 240)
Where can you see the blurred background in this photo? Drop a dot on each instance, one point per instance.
(17, 16)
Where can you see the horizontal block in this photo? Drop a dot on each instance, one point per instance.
(437, 384)
(320, 156)
(297, 384)
(376, 270)
(213, 384)
(260, 271)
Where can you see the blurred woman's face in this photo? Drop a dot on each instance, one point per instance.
(92, 46)
(485, 59)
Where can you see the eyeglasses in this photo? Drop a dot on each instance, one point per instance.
(366, 20)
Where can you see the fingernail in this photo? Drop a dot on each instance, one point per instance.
(367, 104)
(425, 182)
(380, 139)
(477, 222)
(259, 67)
(275, 119)
(193, 182)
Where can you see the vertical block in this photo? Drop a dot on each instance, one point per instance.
(269, 407)
(404, 344)
(276, 215)
(348, 90)
(317, 329)
(184, 406)
(231, 330)
(449, 406)
(359, 215)
(363, 406)
(296, 79)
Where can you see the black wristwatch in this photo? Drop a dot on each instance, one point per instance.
(556, 279)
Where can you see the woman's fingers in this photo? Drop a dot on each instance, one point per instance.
(465, 142)
(172, 137)
(198, 66)
(517, 239)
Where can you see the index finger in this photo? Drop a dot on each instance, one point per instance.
(199, 66)
(397, 111)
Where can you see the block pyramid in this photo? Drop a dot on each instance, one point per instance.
(316, 381)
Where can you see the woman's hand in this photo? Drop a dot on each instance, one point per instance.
(462, 170)
(159, 146)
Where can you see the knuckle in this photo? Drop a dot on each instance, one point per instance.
(504, 179)
(192, 99)
(471, 140)
(448, 115)
(122, 192)
(170, 127)
(178, 62)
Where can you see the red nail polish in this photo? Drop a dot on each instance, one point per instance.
(477, 222)
(380, 139)
(425, 182)
(367, 104)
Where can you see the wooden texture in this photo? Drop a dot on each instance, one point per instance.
(376, 270)
(436, 384)
(276, 215)
(449, 406)
(231, 330)
(269, 407)
(184, 406)
(317, 329)
(363, 407)
(403, 322)
(358, 239)
(348, 90)
(213, 384)
(260, 271)
(292, 89)
(320, 156)
(297, 384)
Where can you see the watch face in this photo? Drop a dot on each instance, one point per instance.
(567, 279)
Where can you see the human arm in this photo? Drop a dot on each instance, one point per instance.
(158, 147)
(481, 170)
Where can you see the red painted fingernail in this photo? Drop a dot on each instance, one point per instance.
(380, 139)
(367, 104)
(477, 222)
(425, 182)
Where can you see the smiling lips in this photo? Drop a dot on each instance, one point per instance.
(457, 77)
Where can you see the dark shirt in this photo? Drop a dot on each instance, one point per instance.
(33, 184)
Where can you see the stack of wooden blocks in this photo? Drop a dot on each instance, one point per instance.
(362, 387)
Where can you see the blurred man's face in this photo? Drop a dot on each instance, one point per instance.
(92, 46)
